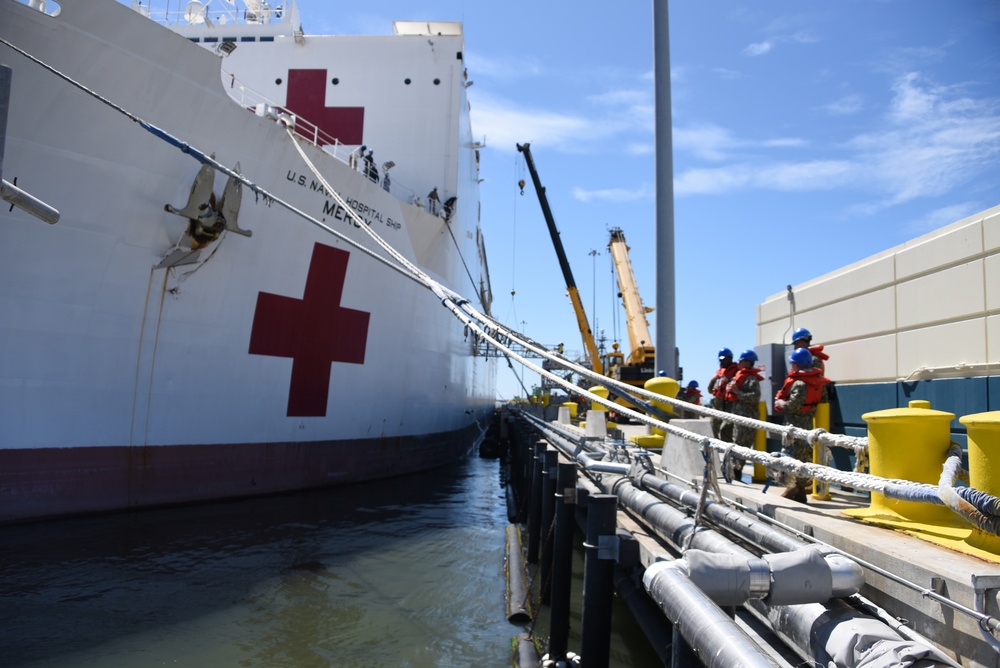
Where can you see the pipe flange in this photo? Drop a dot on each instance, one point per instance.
(760, 578)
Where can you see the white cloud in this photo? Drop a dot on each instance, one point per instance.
(789, 176)
(758, 49)
(714, 143)
(706, 141)
(845, 106)
(505, 125)
(615, 194)
(932, 141)
(943, 216)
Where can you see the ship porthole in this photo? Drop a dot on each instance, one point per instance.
(335, 81)
(406, 81)
(437, 82)
(278, 81)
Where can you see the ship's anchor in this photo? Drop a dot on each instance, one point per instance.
(207, 217)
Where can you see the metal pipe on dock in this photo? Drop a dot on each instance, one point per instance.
(794, 620)
(714, 637)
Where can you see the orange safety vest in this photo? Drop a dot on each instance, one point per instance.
(719, 390)
(737, 382)
(814, 381)
(692, 395)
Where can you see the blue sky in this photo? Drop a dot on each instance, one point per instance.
(807, 135)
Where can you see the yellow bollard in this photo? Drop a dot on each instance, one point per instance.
(667, 387)
(821, 488)
(572, 406)
(984, 467)
(603, 393)
(760, 445)
(545, 399)
(907, 444)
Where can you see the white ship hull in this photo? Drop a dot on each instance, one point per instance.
(274, 362)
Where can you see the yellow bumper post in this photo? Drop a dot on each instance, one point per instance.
(984, 467)
(907, 444)
(666, 387)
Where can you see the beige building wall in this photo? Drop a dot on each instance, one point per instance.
(929, 308)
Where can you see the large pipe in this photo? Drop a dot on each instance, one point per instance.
(649, 617)
(712, 635)
(837, 634)
(525, 652)
(518, 602)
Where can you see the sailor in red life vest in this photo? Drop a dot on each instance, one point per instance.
(717, 388)
(743, 395)
(802, 338)
(692, 395)
(798, 399)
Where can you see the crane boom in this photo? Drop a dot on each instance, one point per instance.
(640, 342)
(574, 294)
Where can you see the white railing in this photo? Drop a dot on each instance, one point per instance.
(193, 12)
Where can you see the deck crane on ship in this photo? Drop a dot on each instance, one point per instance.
(639, 366)
(574, 294)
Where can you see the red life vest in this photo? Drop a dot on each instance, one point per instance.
(814, 381)
(817, 351)
(723, 376)
(737, 382)
(692, 395)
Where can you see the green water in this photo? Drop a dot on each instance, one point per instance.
(407, 572)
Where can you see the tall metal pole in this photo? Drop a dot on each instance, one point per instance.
(666, 339)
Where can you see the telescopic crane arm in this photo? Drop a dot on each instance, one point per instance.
(574, 294)
(642, 350)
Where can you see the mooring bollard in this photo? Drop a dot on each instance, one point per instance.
(909, 444)
(562, 561)
(984, 467)
(598, 580)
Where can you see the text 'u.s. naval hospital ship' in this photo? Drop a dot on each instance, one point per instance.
(234, 300)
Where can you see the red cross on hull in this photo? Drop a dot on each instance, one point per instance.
(307, 98)
(314, 331)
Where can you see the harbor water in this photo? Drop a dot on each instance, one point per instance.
(404, 572)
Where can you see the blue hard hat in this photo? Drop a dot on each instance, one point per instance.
(661, 373)
(724, 353)
(801, 334)
(693, 383)
(801, 356)
(748, 355)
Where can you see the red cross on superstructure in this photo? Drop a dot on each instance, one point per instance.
(307, 98)
(314, 331)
